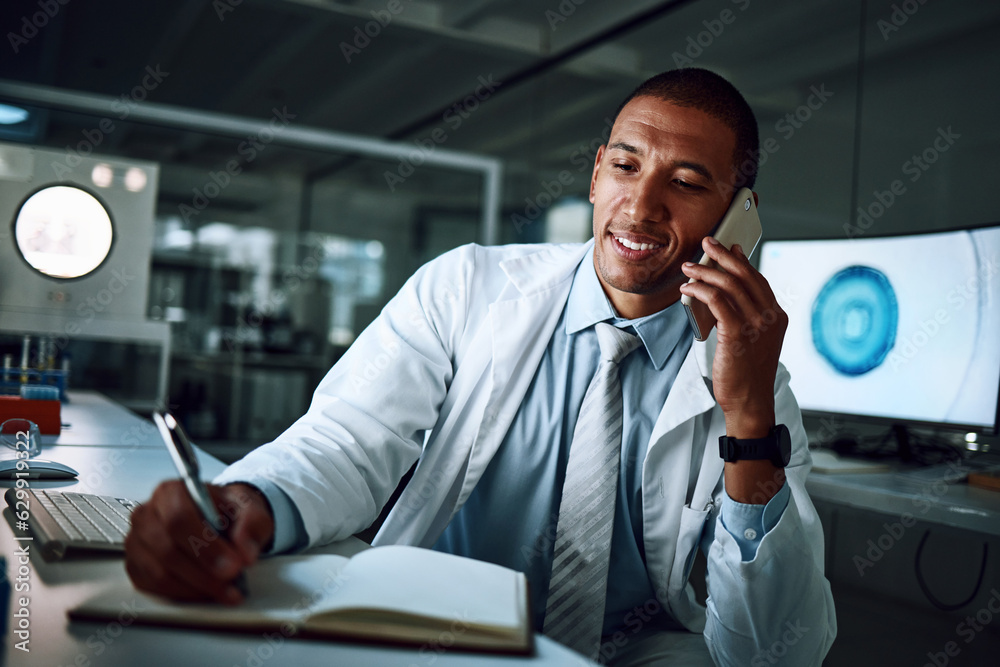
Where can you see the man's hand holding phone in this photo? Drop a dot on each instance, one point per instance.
(740, 225)
(751, 328)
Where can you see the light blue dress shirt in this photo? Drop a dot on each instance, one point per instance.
(518, 494)
(510, 516)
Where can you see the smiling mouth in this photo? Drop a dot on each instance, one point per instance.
(631, 245)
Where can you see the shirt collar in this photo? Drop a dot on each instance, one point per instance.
(588, 304)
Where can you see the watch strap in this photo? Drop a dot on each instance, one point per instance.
(768, 448)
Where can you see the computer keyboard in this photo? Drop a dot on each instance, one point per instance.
(63, 522)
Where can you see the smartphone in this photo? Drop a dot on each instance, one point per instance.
(740, 225)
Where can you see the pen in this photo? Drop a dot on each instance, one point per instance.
(186, 462)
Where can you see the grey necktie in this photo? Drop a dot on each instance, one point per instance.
(574, 611)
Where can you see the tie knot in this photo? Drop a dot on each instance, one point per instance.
(615, 343)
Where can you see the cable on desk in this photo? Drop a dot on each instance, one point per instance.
(926, 589)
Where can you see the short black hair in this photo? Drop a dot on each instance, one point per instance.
(711, 93)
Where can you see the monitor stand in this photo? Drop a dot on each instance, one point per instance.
(902, 436)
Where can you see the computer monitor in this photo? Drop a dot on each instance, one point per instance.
(903, 329)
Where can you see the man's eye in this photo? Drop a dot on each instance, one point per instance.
(687, 185)
(623, 167)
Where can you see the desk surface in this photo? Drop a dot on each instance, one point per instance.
(927, 498)
(132, 469)
(90, 418)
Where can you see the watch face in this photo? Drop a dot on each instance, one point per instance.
(776, 447)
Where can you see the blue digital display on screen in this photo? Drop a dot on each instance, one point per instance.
(854, 319)
(903, 328)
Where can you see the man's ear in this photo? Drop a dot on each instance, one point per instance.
(756, 202)
(597, 166)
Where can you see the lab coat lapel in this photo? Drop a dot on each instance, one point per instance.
(689, 396)
(522, 328)
(668, 522)
(513, 338)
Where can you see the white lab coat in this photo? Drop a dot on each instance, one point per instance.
(440, 374)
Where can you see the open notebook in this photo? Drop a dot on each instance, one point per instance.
(391, 594)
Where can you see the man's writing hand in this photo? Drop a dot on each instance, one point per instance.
(172, 551)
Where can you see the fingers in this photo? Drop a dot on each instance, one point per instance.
(190, 533)
(172, 551)
(252, 520)
(157, 568)
(735, 263)
(737, 291)
(722, 291)
(716, 299)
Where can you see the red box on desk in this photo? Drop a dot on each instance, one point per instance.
(43, 413)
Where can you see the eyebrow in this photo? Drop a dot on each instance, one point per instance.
(696, 167)
(628, 148)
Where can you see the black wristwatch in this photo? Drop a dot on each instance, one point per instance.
(775, 447)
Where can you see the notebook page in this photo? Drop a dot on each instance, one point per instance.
(284, 588)
(430, 583)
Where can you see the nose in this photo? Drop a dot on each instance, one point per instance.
(646, 201)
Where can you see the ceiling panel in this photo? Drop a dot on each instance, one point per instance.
(559, 79)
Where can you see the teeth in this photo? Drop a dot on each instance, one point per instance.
(636, 246)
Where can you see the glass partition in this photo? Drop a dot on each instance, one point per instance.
(268, 258)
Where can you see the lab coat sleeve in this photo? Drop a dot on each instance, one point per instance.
(777, 605)
(364, 429)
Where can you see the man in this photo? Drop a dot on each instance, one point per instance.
(487, 357)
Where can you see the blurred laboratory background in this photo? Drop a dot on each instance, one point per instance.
(274, 170)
